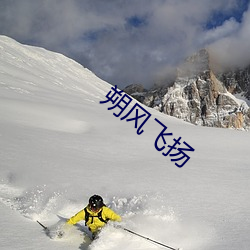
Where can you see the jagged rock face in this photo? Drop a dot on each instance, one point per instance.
(136, 90)
(199, 97)
(237, 81)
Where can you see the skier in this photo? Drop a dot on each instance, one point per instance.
(95, 214)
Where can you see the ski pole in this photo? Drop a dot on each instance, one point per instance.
(146, 238)
(45, 228)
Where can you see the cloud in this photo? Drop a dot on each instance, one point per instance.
(228, 28)
(125, 42)
(233, 49)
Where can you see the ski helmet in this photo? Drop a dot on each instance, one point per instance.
(95, 202)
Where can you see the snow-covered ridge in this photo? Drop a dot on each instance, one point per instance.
(32, 74)
(35, 66)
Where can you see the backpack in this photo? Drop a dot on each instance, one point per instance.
(88, 216)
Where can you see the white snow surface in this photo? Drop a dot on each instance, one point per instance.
(59, 146)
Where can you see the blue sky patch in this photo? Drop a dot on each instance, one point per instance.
(136, 21)
(219, 17)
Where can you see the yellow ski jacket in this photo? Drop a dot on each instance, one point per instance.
(94, 223)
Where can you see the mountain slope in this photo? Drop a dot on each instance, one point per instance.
(59, 145)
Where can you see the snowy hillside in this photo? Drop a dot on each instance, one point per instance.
(59, 145)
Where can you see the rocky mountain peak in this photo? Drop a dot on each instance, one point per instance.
(200, 96)
(196, 64)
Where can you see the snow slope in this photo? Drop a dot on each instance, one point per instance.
(59, 145)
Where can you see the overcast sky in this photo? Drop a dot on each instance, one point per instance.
(131, 41)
